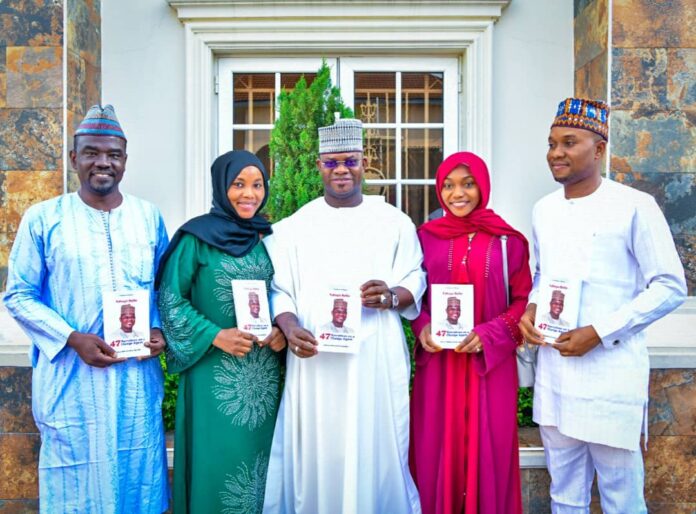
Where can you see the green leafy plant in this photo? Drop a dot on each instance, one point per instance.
(171, 388)
(525, 397)
(294, 143)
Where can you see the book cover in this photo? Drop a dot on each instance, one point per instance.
(558, 307)
(452, 313)
(251, 307)
(127, 321)
(338, 320)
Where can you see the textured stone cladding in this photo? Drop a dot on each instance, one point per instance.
(32, 37)
(84, 66)
(653, 123)
(591, 35)
(670, 463)
(19, 443)
(31, 117)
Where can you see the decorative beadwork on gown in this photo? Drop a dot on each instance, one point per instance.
(488, 257)
(449, 254)
(511, 326)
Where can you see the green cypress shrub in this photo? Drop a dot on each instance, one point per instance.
(294, 142)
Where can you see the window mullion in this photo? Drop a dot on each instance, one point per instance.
(397, 136)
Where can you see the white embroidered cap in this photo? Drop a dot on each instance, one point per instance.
(344, 136)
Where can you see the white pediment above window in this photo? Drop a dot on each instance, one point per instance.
(415, 9)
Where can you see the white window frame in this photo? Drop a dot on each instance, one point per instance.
(269, 28)
(449, 67)
(227, 66)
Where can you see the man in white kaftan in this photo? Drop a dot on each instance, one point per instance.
(341, 439)
(591, 389)
(100, 419)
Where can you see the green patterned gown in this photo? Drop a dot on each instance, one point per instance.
(226, 408)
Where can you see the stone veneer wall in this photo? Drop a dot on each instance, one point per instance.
(31, 111)
(19, 443)
(653, 95)
(32, 102)
(591, 29)
(653, 148)
(84, 67)
(33, 107)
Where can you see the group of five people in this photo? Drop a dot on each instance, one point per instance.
(340, 434)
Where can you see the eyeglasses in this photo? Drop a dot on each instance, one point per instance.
(350, 162)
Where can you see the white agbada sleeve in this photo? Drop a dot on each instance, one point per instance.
(662, 271)
(283, 297)
(407, 269)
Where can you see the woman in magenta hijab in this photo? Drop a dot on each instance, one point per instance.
(464, 450)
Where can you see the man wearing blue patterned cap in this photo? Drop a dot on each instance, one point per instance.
(591, 388)
(102, 441)
(341, 437)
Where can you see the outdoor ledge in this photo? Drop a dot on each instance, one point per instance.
(530, 458)
(531, 451)
(14, 343)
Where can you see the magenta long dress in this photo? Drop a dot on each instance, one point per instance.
(464, 450)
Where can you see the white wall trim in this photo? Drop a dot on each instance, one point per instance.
(215, 28)
(240, 9)
(199, 122)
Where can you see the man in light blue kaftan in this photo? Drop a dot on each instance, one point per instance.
(102, 440)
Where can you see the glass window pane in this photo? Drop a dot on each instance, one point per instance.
(421, 97)
(419, 202)
(254, 97)
(255, 141)
(375, 97)
(288, 80)
(421, 153)
(380, 152)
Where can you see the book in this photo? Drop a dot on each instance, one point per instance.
(338, 319)
(452, 313)
(127, 321)
(251, 307)
(558, 307)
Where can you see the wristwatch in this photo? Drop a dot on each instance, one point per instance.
(394, 299)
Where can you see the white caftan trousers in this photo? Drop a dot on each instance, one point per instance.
(572, 464)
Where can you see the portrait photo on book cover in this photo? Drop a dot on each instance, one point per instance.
(127, 321)
(251, 307)
(557, 311)
(339, 314)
